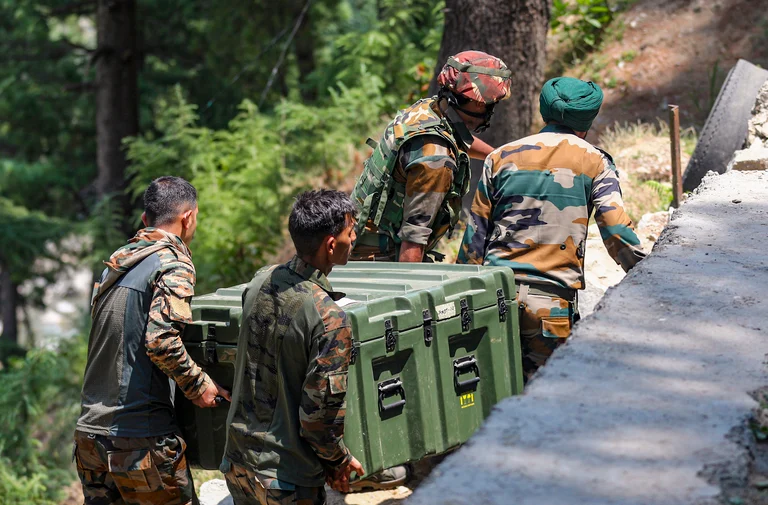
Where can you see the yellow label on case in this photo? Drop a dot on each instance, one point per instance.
(467, 400)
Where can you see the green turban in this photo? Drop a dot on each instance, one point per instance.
(572, 102)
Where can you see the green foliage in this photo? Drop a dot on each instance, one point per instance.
(629, 56)
(39, 403)
(27, 234)
(582, 25)
(23, 490)
(351, 62)
(663, 190)
(247, 173)
(396, 45)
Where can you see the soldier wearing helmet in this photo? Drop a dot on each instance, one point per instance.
(410, 191)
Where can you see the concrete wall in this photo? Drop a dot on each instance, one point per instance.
(649, 401)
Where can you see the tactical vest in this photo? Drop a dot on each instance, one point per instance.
(379, 198)
(124, 393)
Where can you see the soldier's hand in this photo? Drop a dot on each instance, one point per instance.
(341, 481)
(212, 396)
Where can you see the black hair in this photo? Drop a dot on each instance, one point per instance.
(316, 215)
(166, 198)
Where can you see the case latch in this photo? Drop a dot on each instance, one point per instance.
(502, 305)
(390, 336)
(209, 352)
(466, 317)
(428, 329)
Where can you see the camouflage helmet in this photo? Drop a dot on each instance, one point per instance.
(477, 76)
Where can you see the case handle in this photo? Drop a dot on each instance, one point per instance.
(465, 365)
(391, 387)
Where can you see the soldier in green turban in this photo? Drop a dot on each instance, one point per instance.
(570, 102)
(532, 209)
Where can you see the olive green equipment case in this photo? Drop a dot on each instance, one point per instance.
(435, 347)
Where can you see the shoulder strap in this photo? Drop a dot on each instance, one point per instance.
(605, 153)
(249, 296)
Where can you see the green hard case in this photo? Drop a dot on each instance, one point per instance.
(435, 347)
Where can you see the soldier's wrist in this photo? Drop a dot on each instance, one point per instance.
(339, 463)
(205, 382)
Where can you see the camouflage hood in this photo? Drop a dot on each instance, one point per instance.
(145, 243)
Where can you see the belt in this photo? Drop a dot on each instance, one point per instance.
(383, 242)
(525, 289)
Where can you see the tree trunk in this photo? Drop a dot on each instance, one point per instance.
(516, 32)
(9, 299)
(305, 57)
(117, 95)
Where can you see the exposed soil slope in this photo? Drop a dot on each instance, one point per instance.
(675, 51)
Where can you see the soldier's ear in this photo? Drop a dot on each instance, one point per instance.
(144, 218)
(186, 219)
(330, 245)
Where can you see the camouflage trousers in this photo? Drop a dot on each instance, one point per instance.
(545, 324)
(248, 488)
(133, 471)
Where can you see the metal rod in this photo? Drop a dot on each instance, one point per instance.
(674, 139)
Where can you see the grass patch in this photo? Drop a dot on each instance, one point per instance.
(628, 56)
(641, 152)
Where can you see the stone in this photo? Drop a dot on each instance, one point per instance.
(215, 492)
(754, 158)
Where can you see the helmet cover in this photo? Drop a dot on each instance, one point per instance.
(477, 76)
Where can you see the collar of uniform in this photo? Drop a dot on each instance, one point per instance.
(435, 108)
(557, 128)
(156, 235)
(314, 276)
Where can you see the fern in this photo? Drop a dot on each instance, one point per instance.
(39, 403)
(664, 192)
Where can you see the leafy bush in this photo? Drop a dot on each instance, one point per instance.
(580, 23)
(247, 174)
(39, 403)
(396, 44)
(27, 234)
(22, 490)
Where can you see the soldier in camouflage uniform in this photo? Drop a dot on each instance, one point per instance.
(532, 209)
(286, 423)
(127, 448)
(410, 191)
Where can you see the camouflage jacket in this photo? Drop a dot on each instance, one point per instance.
(140, 306)
(429, 177)
(533, 204)
(286, 420)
